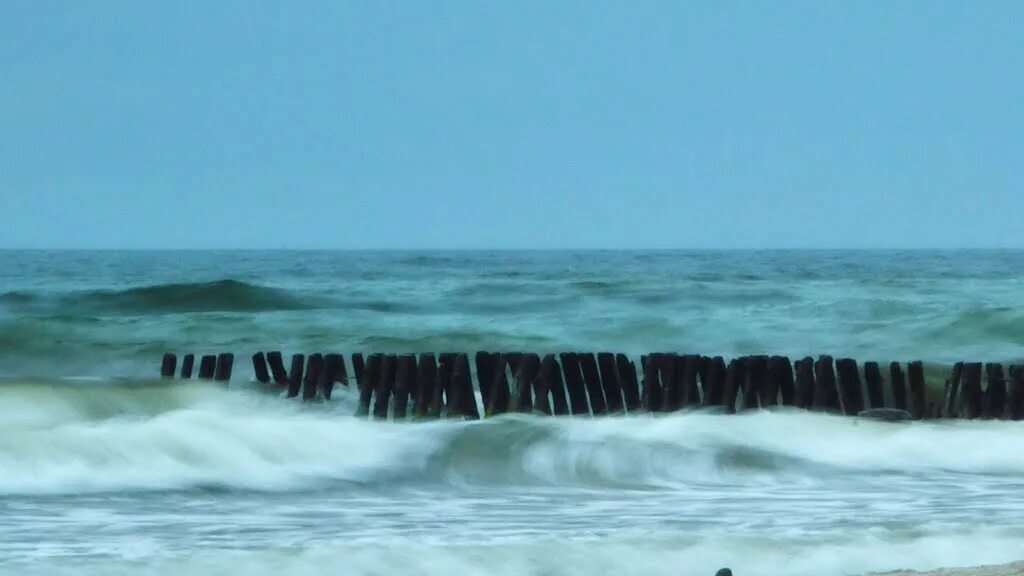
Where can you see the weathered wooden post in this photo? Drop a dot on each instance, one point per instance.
(405, 381)
(222, 371)
(753, 382)
(673, 388)
(652, 391)
(592, 379)
(784, 377)
(805, 383)
(383, 387)
(574, 382)
(512, 361)
(499, 396)
(276, 362)
(259, 368)
(169, 365)
(559, 397)
(691, 368)
(426, 380)
(714, 386)
(445, 398)
(311, 381)
(526, 374)
(995, 392)
(462, 382)
(295, 375)
(951, 398)
(207, 365)
(1015, 401)
(873, 380)
(849, 386)
(735, 374)
(544, 388)
(899, 389)
(628, 380)
(371, 373)
(186, 365)
(915, 374)
(610, 381)
(971, 399)
(485, 374)
(826, 396)
(358, 368)
(771, 383)
(334, 372)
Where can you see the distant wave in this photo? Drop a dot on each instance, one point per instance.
(60, 437)
(218, 296)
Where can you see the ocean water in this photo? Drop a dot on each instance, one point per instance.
(106, 470)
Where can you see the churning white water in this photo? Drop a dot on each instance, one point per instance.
(156, 478)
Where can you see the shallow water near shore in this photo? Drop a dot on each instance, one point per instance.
(104, 470)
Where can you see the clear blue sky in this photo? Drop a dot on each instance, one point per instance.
(526, 124)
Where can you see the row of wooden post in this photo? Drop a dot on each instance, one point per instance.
(570, 383)
(211, 367)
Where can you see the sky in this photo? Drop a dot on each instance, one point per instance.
(526, 124)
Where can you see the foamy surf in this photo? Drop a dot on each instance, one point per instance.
(76, 437)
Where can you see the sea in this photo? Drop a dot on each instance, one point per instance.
(107, 470)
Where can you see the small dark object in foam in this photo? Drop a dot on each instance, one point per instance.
(885, 414)
(724, 572)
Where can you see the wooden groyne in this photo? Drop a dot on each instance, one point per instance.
(429, 386)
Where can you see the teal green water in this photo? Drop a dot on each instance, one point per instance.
(104, 470)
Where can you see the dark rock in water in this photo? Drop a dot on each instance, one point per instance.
(724, 572)
(885, 414)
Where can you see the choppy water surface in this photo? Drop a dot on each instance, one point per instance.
(104, 471)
